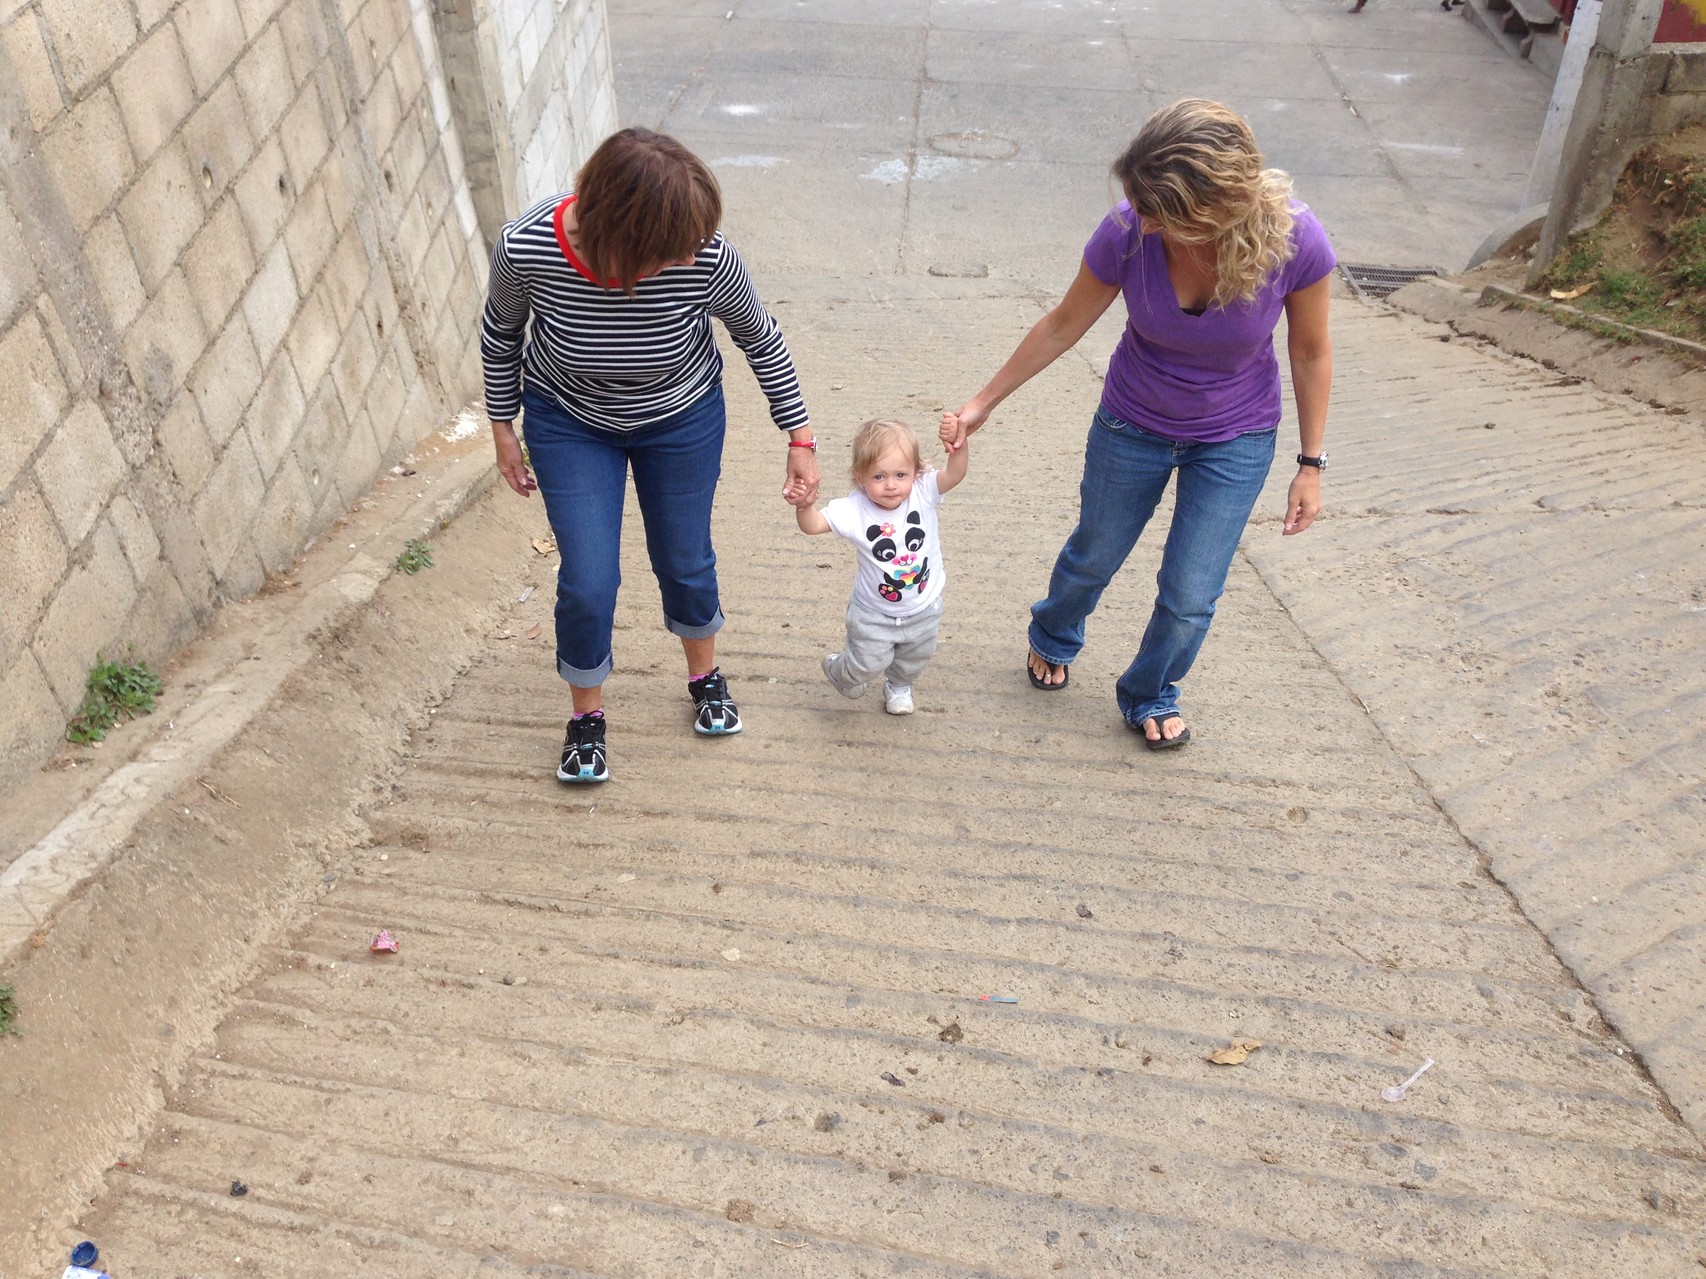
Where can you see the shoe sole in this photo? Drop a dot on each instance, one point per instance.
(579, 779)
(717, 732)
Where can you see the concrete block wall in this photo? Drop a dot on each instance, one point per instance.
(240, 272)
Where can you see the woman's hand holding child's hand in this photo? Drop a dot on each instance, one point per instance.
(957, 426)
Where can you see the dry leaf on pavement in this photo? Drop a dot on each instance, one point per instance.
(1562, 295)
(1235, 1052)
(544, 545)
(534, 633)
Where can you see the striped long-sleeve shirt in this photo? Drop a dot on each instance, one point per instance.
(617, 361)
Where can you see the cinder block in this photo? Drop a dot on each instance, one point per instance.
(408, 154)
(281, 528)
(382, 110)
(212, 35)
(19, 283)
(264, 81)
(359, 462)
(224, 381)
(305, 137)
(165, 342)
(308, 237)
(172, 515)
(352, 370)
(218, 143)
(79, 470)
(27, 48)
(245, 574)
(406, 66)
(385, 395)
(347, 274)
(162, 620)
(136, 536)
(225, 506)
(218, 264)
(35, 557)
(304, 37)
(414, 237)
(86, 616)
(335, 180)
(272, 301)
(32, 393)
(34, 722)
(276, 415)
(64, 349)
(89, 155)
(106, 251)
(161, 213)
(265, 195)
(153, 88)
(314, 338)
(321, 438)
(184, 442)
(151, 13)
(89, 36)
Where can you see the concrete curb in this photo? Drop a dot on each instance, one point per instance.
(345, 575)
(1496, 294)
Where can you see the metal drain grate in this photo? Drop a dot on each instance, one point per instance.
(1371, 283)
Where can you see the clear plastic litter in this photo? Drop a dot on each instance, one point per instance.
(1396, 1091)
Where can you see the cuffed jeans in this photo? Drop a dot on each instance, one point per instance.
(583, 476)
(1125, 473)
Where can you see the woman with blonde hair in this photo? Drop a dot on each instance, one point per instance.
(1207, 249)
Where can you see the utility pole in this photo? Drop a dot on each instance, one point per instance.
(1610, 111)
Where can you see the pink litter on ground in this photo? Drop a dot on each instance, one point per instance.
(383, 941)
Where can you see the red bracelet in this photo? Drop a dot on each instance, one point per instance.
(803, 444)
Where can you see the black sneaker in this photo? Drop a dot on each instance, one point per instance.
(583, 751)
(715, 712)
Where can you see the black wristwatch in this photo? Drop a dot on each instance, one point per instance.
(1319, 463)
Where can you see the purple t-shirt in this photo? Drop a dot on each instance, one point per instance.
(1205, 377)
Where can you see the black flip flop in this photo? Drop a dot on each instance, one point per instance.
(1162, 743)
(1037, 681)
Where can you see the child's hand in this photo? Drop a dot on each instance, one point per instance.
(951, 433)
(796, 492)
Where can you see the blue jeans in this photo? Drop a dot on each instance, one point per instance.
(1125, 472)
(583, 476)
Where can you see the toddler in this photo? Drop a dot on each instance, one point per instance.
(890, 517)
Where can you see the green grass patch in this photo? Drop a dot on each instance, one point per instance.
(1580, 262)
(1632, 296)
(112, 693)
(8, 1012)
(416, 556)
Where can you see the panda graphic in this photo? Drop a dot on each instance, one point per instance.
(898, 548)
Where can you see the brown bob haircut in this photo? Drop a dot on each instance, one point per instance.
(643, 200)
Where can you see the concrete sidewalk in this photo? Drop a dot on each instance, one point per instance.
(722, 1015)
(652, 1028)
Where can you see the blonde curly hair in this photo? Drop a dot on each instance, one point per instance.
(1195, 172)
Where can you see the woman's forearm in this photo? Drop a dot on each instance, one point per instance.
(1312, 384)
(1038, 349)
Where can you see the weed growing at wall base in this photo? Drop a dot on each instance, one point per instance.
(8, 1012)
(112, 693)
(416, 556)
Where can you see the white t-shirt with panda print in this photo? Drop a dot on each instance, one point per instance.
(900, 551)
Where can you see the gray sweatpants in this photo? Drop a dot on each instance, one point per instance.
(878, 644)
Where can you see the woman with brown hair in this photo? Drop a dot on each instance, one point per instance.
(598, 327)
(1207, 249)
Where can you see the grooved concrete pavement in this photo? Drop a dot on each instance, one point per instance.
(644, 1029)
(1534, 552)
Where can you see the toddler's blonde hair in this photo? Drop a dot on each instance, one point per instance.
(877, 437)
